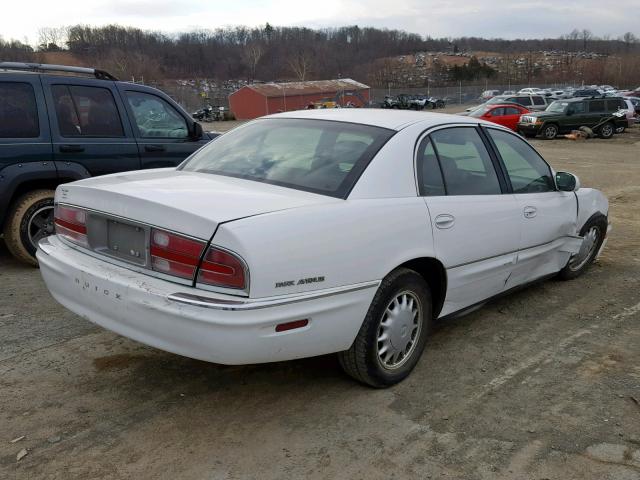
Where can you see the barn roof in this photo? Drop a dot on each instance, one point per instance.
(306, 88)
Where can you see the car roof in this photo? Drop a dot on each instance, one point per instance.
(507, 104)
(377, 117)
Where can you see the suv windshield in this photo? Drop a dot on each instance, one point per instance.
(558, 107)
(319, 156)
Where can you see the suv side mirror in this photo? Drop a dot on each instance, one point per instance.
(196, 131)
(567, 182)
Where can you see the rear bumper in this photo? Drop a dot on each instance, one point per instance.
(197, 324)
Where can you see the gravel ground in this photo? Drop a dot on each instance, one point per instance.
(542, 384)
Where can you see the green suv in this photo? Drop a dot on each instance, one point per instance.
(562, 116)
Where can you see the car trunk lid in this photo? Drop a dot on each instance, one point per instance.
(190, 203)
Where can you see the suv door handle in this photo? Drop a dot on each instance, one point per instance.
(71, 148)
(154, 148)
(530, 212)
(444, 221)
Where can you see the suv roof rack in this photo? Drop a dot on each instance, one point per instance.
(45, 67)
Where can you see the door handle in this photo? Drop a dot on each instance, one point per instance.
(445, 220)
(530, 212)
(71, 148)
(154, 148)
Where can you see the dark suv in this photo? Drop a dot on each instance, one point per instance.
(563, 116)
(59, 124)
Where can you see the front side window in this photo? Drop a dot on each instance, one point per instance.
(526, 101)
(539, 101)
(18, 111)
(429, 175)
(155, 117)
(86, 111)
(527, 172)
(497, 112)
(319, 156)
(511, 111)
(466, 165)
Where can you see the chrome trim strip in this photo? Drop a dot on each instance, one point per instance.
(234, 305)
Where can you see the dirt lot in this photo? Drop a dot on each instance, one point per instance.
(538, 385)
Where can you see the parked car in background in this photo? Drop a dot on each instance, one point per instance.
(507, 114)
(59, 124)
(588, 92)
(259, 248)
(630, 115)
(531, 102)
(635, 101)
(509, 92)
(563, 116)
(531, 91)
(487, 94)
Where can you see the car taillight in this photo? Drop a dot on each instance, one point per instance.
(174, 254)
(222, 269)
(71, 223)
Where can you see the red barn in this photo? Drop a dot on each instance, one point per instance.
(259, 99)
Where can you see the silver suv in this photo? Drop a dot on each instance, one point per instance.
(532, 102)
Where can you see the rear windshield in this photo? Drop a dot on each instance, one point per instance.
(319, 156)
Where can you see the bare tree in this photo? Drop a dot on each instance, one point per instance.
(300, 64)
(252, 54)
(586, 35)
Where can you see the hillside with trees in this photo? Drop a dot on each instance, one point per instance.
(296, 53)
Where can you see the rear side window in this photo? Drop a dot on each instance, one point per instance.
(155, 118)
(596, 106)
(18, 111)
(615, 104)
(429, 173)
(466, 165)
(318, 156)
(527, 172)
(86, 111)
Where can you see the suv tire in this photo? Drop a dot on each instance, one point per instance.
(607, 130)
(30, 218)
(549, 131)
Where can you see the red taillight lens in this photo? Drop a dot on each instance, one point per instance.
(71, 223)
(174, 254)
(222, 269)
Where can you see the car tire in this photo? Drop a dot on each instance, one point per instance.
(372, 358)
(550, 131)
(21, 233)
(594, 231)
(607, 130)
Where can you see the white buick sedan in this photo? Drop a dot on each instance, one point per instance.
(313, 232)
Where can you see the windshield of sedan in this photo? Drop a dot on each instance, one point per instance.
(558, 107)
(319, 156)
(478, 112)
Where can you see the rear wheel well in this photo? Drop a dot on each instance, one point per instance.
(45, 184)
(435, 275)
(30, 185)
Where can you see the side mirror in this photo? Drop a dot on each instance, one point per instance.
(196, 131)
(567, 182)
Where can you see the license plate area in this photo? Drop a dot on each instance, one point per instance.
(117, 239)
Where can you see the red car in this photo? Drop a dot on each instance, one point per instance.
(507, 114)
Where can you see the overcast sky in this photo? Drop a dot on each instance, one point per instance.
(437, 18)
